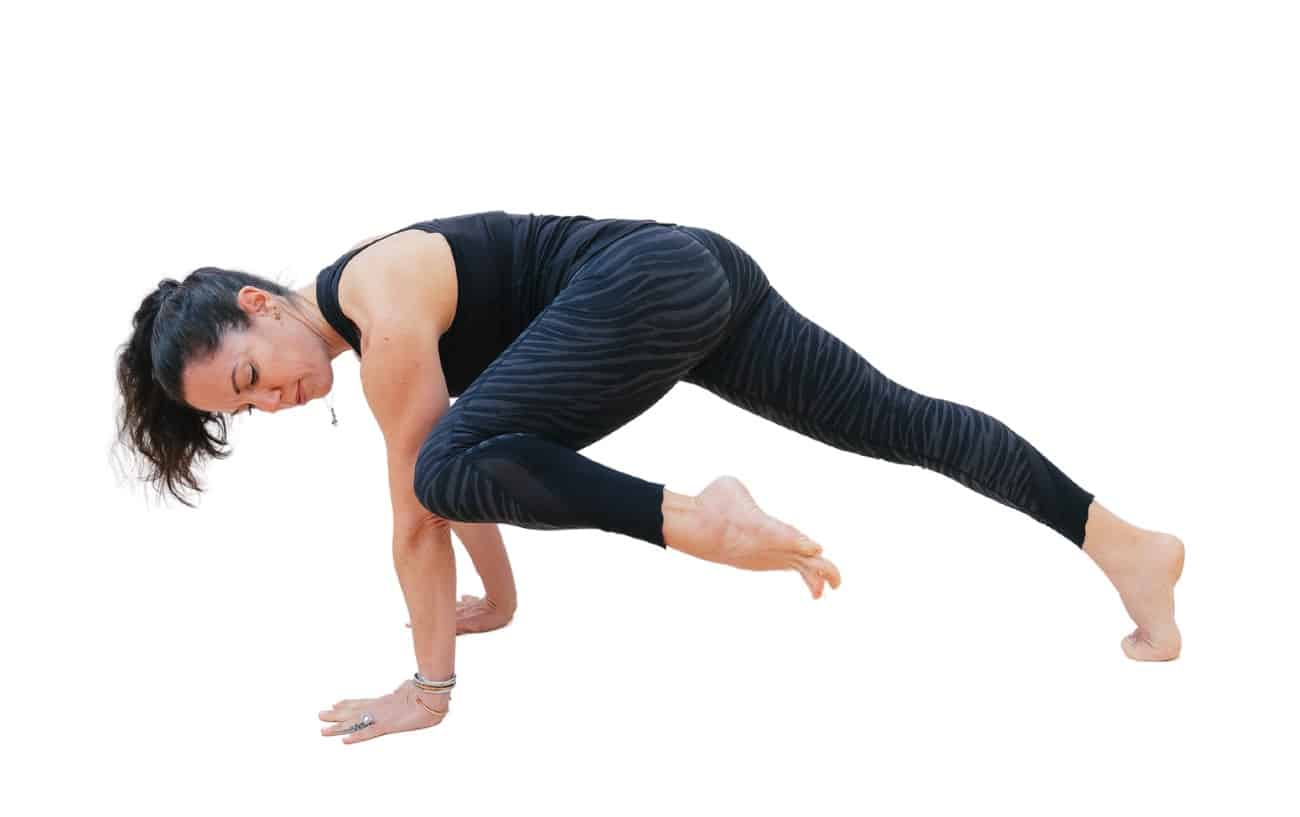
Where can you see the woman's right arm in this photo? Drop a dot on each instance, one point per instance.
(401, 376)
(483, 540)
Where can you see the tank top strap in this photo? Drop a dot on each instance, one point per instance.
(327, 292)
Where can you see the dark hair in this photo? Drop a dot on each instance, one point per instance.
(178, 323)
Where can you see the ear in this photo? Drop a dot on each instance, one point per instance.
(253, 300)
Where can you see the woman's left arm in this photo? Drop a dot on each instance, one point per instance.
(487, 550)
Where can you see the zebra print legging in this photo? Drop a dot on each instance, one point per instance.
(669, 303)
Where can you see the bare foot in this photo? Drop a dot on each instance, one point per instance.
(1144, 566)
(724, 524)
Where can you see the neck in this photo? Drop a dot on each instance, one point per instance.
(315, 320)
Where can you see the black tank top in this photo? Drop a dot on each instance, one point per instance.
(509, 266)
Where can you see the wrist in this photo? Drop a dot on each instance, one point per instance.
(433, 704)
(505, 605)
(498, 585)
(435, 669)
(505, 601)
(430, 699)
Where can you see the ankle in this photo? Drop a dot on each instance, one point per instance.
(1111, 542)
(679, 511)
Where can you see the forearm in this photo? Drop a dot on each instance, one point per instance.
(426, 570)
(488, 553)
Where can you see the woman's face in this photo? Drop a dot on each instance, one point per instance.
(264, 366)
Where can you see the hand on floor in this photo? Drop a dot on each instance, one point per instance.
(479, 615)
(402, 710)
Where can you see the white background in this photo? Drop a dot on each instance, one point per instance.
(1080, 218)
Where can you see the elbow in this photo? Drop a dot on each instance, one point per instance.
(417, 521)
(417, 530)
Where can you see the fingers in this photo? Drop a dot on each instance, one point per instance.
(345, 709)
(465, 600)
(388, 721)
(381, 716)
(345, 727)
(372, 731)
(346, 703)
(470, 610)
(340, 712)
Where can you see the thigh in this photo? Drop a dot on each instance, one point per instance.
(783, 366)
(616, 339)
(780, 365)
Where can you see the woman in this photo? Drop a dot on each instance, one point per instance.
(554, 331)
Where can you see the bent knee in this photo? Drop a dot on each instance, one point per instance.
(444, 468)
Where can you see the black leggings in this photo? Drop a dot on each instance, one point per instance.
(669, 303)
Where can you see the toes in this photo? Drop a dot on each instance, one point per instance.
(816, 573)
(1140, 646)
(827, 570)
(809, 547)
(810, 577)
(1134, 647)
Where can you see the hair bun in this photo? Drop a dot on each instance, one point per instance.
(166, 287)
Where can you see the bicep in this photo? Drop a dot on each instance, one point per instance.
(401, 376)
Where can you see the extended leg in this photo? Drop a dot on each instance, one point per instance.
(778, 364)
(784, 367)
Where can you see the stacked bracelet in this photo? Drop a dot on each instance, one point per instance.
(436, 687)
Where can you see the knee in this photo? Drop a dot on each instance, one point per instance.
(448, 462)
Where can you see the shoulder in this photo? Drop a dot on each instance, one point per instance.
(410, 275)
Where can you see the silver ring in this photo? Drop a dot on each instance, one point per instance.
(366, 720)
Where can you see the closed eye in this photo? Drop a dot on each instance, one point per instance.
(252, 381)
